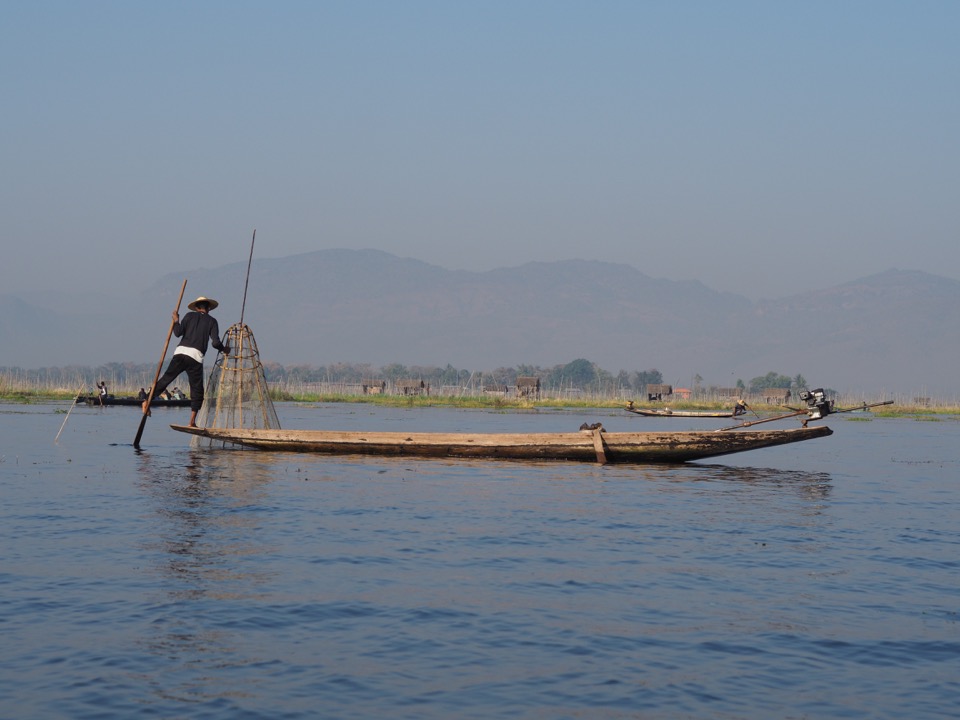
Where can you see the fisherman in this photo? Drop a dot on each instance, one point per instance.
(196, 329)
(740, 408)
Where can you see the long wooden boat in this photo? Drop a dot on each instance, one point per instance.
(592, 445)
(112, 400)
(666, 412)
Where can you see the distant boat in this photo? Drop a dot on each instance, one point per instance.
(667, 412)
(589, 445)
(113, 400)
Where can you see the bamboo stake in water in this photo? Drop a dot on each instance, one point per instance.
(80, 390)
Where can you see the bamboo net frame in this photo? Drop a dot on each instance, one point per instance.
(236, 395)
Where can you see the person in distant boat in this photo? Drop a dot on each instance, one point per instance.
(102, 389)
(142, 395)
(740, 408)
(196, 330)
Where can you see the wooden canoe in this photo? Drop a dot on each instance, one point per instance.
(132, 401)
(585, 445)
(681, 413)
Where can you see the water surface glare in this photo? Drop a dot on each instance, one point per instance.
(808, 581)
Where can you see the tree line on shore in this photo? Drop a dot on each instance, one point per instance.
(580, 374)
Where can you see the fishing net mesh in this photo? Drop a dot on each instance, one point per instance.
(236, 395)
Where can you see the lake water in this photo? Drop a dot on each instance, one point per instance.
(817, 580)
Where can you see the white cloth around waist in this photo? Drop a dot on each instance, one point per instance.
(189, 352)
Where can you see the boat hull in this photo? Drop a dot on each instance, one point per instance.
(679, 413)
(131, 401)
(584, 446)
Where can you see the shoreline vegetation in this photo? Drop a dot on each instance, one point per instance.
(579, 384)
(466, 400)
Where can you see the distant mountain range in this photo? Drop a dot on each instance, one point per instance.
(895, 332)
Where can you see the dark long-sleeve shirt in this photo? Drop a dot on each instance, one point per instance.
(197, 329)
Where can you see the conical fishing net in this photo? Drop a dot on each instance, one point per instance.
(236, 395)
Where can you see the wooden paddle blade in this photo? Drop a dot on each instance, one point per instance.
(143, 422)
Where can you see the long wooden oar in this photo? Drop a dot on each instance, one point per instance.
(750, 423)
(166, 344)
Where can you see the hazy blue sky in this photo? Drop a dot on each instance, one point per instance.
(759, 147)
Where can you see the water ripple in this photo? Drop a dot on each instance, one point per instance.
(797, 582)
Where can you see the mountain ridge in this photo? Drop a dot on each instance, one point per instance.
(892, 330)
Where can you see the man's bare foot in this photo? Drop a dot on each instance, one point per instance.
(145, 406)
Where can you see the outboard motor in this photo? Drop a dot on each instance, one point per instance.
(817, 404)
